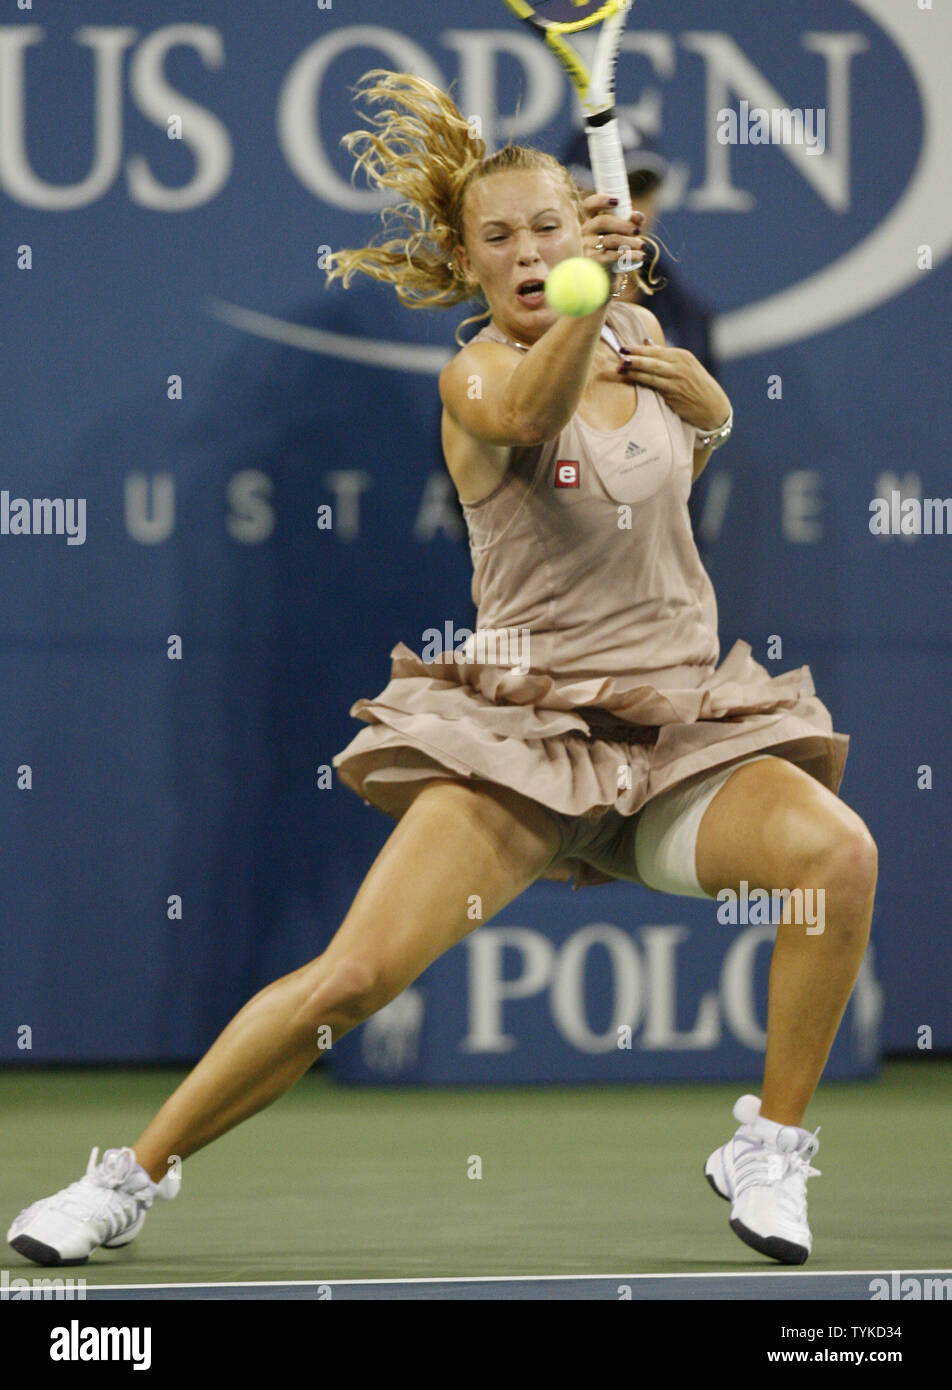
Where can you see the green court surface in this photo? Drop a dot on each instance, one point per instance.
(338, 1182)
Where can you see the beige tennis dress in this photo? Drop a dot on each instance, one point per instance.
(591, 683)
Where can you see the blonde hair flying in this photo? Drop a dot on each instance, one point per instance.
(429, 154)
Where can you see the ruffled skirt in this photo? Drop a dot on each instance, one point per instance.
(565, 741)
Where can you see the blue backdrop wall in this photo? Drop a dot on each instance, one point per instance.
(128, 258)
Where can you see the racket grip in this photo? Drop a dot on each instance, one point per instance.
(608, 163)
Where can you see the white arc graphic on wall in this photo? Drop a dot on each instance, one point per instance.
(884, 264)
(869, 274)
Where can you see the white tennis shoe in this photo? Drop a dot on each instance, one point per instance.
(763, 1173)
(106, 1207)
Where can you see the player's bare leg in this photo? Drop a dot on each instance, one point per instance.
(454, 841)
(774, 826)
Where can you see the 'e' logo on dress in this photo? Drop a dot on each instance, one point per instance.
(566, 473)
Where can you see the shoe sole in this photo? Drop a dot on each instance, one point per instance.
(773, 1246)
(715, 1188)
(778, 1249)
(130, 1234)
(42, 1254)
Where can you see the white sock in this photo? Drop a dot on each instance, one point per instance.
(770, 1130)
(139, 1171)
(767, 1129)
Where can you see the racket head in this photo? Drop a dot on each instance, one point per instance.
(553, 21)
(566, 16)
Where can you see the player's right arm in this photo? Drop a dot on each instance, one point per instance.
(511, 398)
(496, 398)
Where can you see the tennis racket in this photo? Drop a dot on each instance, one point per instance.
(553, 20)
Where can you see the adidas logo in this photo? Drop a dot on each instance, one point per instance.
(633, 450)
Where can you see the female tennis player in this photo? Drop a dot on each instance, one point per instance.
(610, 746)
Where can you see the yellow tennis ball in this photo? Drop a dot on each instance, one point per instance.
(577, 286)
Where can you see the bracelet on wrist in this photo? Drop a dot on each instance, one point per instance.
(713, 439)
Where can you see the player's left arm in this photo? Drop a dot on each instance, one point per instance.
(677, 375)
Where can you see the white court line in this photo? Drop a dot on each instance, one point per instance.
(522, 1278)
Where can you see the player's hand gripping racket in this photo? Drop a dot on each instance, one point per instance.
(552, 20)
